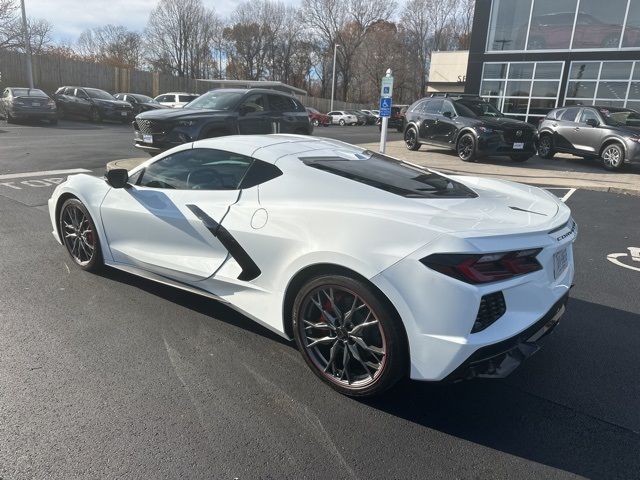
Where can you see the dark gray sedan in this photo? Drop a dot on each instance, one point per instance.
(27, 104)
(609, 133)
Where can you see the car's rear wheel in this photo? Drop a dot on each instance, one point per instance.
(316, 123)
(348, 336)
(545, 147)
(79, 235)
(466, 148)
(612, 157)
(411, 139)
(342, 122)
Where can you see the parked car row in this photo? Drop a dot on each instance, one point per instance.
(474, 128)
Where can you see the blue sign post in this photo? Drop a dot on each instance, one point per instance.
(386, 94)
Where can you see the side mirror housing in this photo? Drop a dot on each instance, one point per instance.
(118, 177)
(592, 122)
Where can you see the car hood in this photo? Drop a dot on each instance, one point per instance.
(178, 114)
(114, 103)
(154, 106)
(502, 122)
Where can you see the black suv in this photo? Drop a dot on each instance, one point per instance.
(92, 103)
(609, 133)
(221, 112)
(469, 125)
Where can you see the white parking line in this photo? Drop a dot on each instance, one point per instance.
(566, 197)
(43, 173)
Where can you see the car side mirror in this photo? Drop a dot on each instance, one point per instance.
(592, 122)
(448, 114)
(118, 177)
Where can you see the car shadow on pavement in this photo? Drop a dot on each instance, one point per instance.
(573, 406)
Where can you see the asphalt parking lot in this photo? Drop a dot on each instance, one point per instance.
(112, 376)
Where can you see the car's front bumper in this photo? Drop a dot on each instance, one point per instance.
(496, 145)
(632, 152)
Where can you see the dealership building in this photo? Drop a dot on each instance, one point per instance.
(529, 56)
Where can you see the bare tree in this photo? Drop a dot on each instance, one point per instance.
(112, 45)
(463, 23)
(345, 22)
(179, 38)
(417, 26)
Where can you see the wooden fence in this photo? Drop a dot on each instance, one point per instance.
(52, 71)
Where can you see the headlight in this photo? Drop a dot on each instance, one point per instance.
(482, 129)
(185, 123)
(635, 139)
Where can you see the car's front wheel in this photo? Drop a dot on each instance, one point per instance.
(411, 139)
(466, 148)
(545, 147)
(79, 235)
(348, 336)
(342, 122)
(316, 123)
(612, 157)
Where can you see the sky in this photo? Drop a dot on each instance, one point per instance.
(71, 17)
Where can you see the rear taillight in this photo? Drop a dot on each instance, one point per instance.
(484, 268)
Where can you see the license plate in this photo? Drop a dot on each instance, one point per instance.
(147, 138)
(518, 146)
(560, 262)
(124, 114)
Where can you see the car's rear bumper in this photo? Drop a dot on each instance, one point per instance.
(117, 115)
(34, 114)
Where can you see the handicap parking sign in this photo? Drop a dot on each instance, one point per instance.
(385, 107)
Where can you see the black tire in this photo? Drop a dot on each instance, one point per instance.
(466, 148)
(94, 115)
(316, 123)
(612, 157)
(545, 147)
(84, 250)
(520, 158)
(411, 139)
(342, 122)
(53, 121)
(356, 380)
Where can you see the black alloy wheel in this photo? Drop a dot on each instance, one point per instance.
(411, 139)
(78, 233)
(348, 337)
(466, 148)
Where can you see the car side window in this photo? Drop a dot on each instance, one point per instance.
(331, 114)
(69, 91)
(447, 106)
(254, 103)
(570, 114)
(589, 114)
(164, 98)
(281, 104)
(197, 169)
(433, 106)
(81, 94)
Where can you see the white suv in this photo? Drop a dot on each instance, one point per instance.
(175, 99)
(343, 118)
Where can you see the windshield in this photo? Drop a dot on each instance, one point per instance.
(144, 99)
(620, 118)
(391, 175)
(476, 108)
(99, 94)
(216, 101)
(25, 92)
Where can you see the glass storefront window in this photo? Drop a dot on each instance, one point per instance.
(616, 70)
(522, 89)
(581, 89)
(612, 90)
(599, 24)
(585, 70)
(617, 85)
(632, 32)
(551, 24)
(545, 89)
(509, 24)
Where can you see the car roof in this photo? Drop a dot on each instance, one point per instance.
(269, 148)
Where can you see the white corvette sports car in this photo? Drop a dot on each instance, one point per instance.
(378, 268)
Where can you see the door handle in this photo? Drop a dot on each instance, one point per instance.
(577, 129)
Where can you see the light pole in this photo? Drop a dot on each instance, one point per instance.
(27, 45)
(333, 78)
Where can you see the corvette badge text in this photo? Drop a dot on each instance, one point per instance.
(629, 260)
